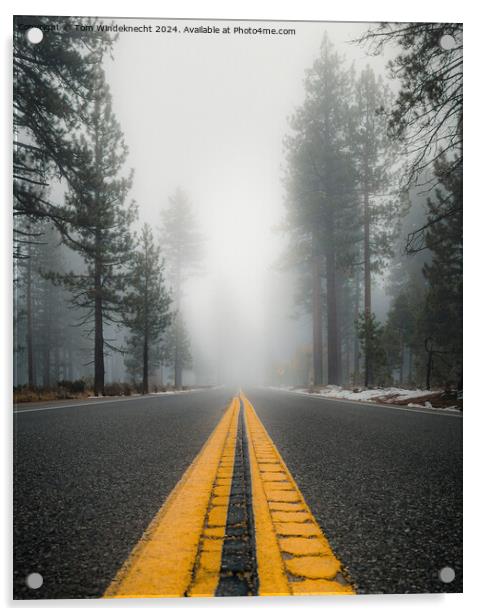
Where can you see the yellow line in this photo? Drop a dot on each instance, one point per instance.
(205, 576)
(180, 552)
(293, 555)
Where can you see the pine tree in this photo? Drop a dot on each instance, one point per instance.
(46, 340)
(398, 333)
(147, 302)
(50, 81)
(427, 115)
(372, 149)
(320, 191)
(371, 335)
(181, 245)
(97, 220)
(176, 347)
(444, 274)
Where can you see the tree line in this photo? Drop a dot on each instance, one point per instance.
(81, 270)
(373, 185)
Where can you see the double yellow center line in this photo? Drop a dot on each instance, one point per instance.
(180, 553)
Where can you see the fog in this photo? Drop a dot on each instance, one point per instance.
(287, 215)
(208, 113)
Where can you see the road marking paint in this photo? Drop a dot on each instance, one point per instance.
(151, 396)
(239, 572)
(294, 556)
(206, 571)
(180, 552)
(76, 406)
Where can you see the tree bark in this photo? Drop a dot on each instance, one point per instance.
(356, 341)
(368, 288)
(145, 372)
(178, 337)
(332, 320)
(429, 369)
(29, 334)
(46, 366)
(317, 316)
(56, 364)
(410, 366)
(429, 349)
(99, 369)
(145, 354)
(339, 286)
(177, 360)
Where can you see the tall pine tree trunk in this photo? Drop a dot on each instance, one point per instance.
(68, 359)
(145, 351)
(46, 349)
(356, 341)
(178, 359)
(99, 369)
(410, 366)
(178, 337)
(332, 320)
(29, 334)
(145, 370)
(339, 286)
(46, 366)
(346, 355)
(56, 364)
(317, 317)
(428, 376)
(368, 286)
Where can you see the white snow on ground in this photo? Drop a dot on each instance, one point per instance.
(185, 391)
(391, 394)
(429, 406)
(387, 395)
(177, 391)
(157, 393)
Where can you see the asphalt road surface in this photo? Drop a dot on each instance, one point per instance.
(385, 485)
(90, 477)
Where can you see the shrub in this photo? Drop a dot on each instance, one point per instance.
(73, 387)
(118, 389)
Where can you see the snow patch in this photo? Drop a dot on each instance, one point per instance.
(386, 394)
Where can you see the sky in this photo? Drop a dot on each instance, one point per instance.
(208, 113)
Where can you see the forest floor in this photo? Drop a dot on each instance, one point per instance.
(37, 395)
(25, 394)
(388, 395)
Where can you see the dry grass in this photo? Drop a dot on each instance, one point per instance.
(34, 395)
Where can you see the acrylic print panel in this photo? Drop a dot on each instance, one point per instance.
(238, 330)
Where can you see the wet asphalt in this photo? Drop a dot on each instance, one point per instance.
(90, 477)
(384, 484)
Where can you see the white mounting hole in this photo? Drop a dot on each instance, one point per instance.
(446, 575)
(34, 35)
(447, 42)
(34, 580)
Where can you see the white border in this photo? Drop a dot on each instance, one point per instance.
(350, 10)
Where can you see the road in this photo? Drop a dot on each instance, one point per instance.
(384, 485)
(89, 478)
